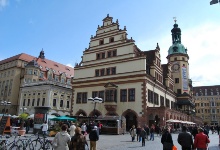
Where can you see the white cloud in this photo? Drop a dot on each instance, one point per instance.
(70, 65)
(202, 42)
(3, 3)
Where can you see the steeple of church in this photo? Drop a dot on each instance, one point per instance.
(41, 54)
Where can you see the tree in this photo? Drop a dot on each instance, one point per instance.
(23, 117)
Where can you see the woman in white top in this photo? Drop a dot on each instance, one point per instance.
(44, 127)
(72, 129)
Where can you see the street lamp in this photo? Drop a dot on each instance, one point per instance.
(23, 109)
(5, 103)
(95, 100)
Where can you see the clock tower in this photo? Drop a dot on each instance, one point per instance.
(178, 59)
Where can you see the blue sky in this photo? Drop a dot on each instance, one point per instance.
(63, 29)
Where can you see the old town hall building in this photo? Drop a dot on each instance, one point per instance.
(133, 83)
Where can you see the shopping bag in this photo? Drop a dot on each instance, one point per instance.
(174, 147)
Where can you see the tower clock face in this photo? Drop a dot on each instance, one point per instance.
(175, 67)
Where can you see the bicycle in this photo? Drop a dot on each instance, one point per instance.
(42, 143)
(5, 143)
(25, 143)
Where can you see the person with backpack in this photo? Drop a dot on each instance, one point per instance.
(78, 141)
(93, 137)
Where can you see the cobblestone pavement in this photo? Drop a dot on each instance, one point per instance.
(123, 142)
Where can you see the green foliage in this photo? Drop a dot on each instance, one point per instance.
(23, 116)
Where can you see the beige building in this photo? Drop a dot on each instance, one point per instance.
(132, 83)
(28, 81)
(207, 101)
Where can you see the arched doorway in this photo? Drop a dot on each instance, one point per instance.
(131, 119)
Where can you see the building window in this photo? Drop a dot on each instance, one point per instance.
(98, 56)
(61, 103)
(28, 104)
(161, 100)
(79, 97)
(97, 73)
(102, 72)
(54, 102)
(38, 101)
(67, 104)
(43, 102)
(114, 53)
(123, 94)
(24, 102)
(131, 94)
(108, 71)
(113, 70)
(111, 39)
(101, 95)
(109, 53)
(101, 42)
(167, 103)
(33, 101)
(110, 96)
(84, 97)
(94, 94)
(103, 55)
(178, 91)
(176, 80)
(175, 59)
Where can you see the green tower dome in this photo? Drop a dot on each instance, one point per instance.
(177, 47)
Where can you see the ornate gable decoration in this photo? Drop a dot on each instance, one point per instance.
(110, 85)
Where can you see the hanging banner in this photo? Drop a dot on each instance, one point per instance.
(184, 78)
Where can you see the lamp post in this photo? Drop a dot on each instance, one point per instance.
(5, 103)
(95, 100)
(23, 109)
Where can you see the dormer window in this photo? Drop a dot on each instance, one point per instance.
(111, 39)
(101, 42)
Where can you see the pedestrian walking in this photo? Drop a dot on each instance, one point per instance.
(44, 128)
(147, 129)
(201, 140)
(166, 139)
(93, 137)
(72, 129)
(185, 139)
(78, 141)
(133, 133)
(83, 128)
(152, 133)
(27, 123)
(138, 131)
(143, 136)
(61, 139)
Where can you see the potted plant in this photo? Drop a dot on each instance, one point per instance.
(23, 117)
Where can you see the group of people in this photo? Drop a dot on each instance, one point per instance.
(197, 138)
(185, 139)
(76, 138)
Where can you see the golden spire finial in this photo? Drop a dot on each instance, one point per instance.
(174, 18)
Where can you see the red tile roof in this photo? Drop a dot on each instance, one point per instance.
(44, 63)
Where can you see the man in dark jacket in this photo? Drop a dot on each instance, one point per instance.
(93, 137)
(185, 139)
